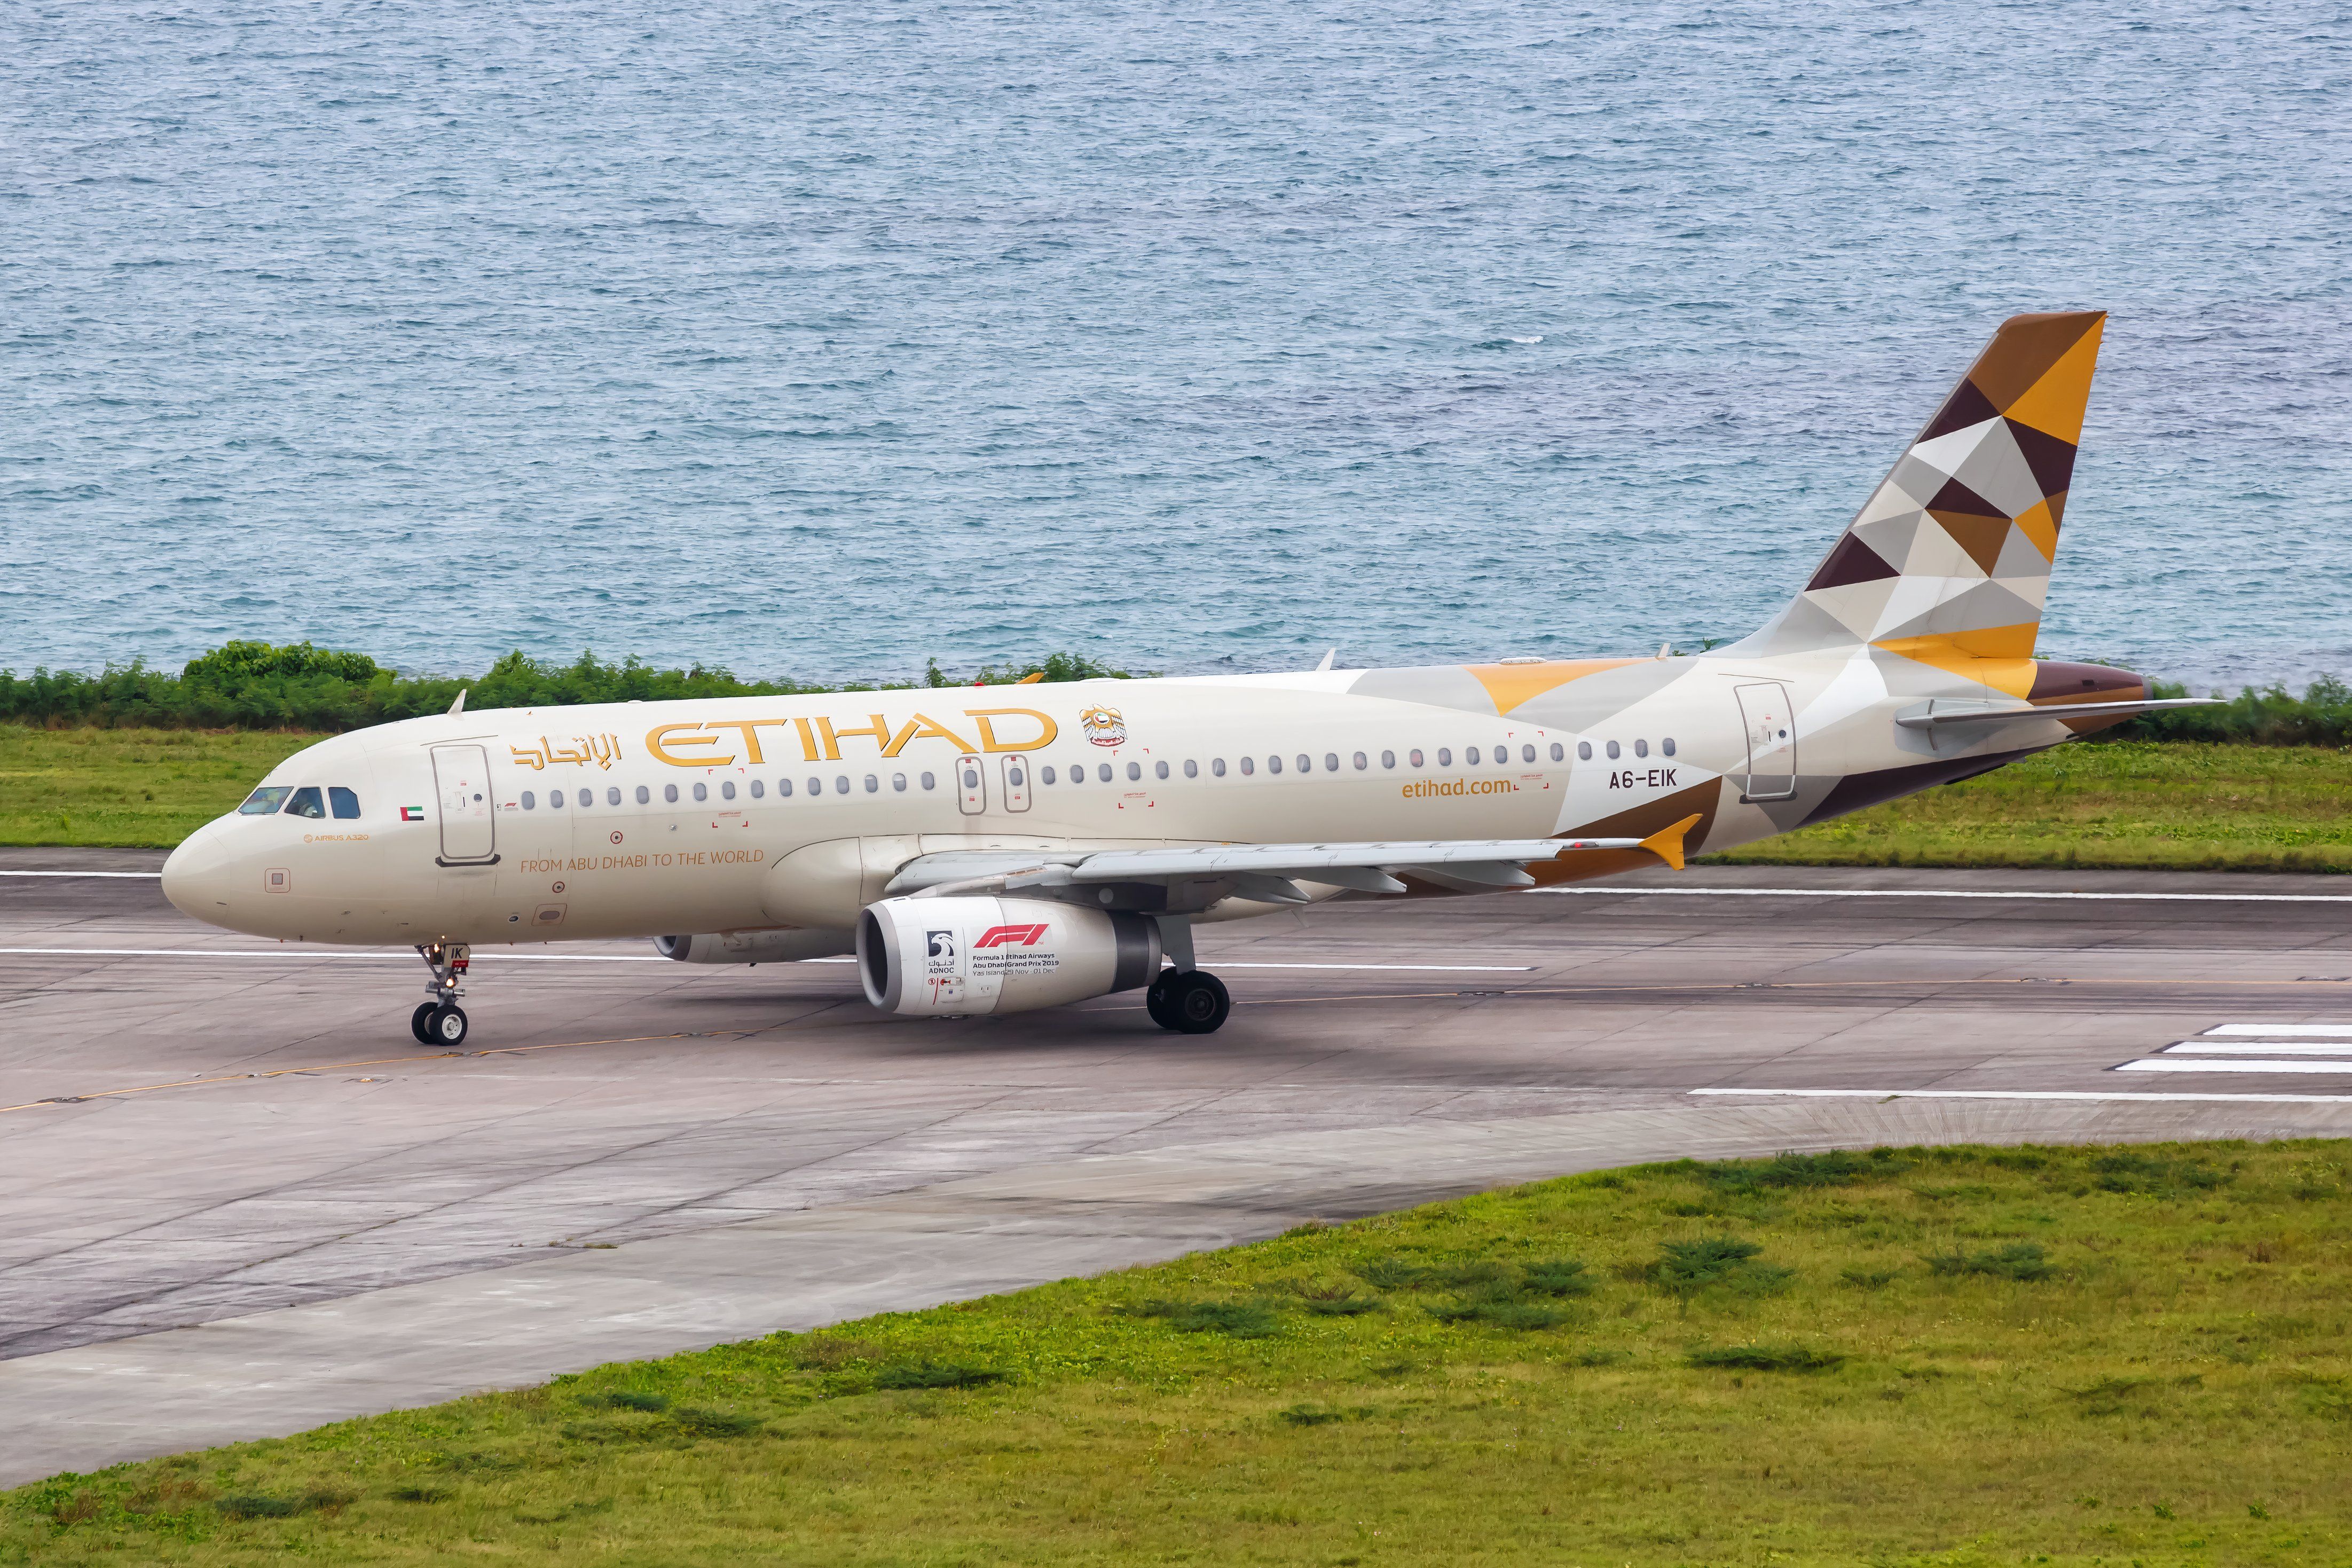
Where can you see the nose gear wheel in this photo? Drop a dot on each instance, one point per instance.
(440, 1022)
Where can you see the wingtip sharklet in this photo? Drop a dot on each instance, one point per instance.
(1666, 843)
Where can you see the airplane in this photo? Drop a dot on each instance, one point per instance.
(992, 850)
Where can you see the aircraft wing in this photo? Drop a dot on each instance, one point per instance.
(1272, 871)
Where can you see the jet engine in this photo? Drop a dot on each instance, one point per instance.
(925, 957)
(755, 947)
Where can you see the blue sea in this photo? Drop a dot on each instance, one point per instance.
(820, 339)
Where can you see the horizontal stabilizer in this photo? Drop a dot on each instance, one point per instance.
(1937, 714)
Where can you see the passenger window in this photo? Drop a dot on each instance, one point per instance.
(931, 782)
(1558, 752)
(1584, 751)
(612, 795)
(1191, 768)
(1102, 772)
(758, 790)
(701, 790)
(1077, 772)
(1361, 761)
(346, 804)
(305, 802)
(873, 785)
(1641, 749)
(1248, 767)
(816, 786)
(1415, 757)
(1047, 773)
(1614, 752)
(1667, 746)
(841, 784)
(669, 793)
(587, 797)
(1135, 770)
(529, 801)
(264, 801)
(1217, 766)
(1526, 753)
(726, 791)
(899, 783)
(1388, 759)
(784, 789)
(1273, 765)
(645, 796)
(1159, 770)
(1445, 757)
(1470, 757)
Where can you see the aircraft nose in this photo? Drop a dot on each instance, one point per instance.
(194, 874)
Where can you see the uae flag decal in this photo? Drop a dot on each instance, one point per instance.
(412, 813)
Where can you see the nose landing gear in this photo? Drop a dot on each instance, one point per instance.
(441, 1021)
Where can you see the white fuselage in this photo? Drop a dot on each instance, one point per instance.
(646, 818)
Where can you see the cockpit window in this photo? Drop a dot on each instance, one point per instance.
(346, 804)
(306, 802)
(264, 801)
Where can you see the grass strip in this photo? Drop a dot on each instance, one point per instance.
(1966, 1355)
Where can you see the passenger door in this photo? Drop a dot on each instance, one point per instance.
(1771, 727)
(1016, 783)
(461, 775)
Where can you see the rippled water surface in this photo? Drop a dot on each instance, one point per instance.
(820, 340)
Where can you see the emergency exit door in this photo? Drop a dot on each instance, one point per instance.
(461, 775)
(1764, 707)
(1016, 782)
(971, 786)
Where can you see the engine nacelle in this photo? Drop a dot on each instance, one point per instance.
(928, 957)
(755, 947)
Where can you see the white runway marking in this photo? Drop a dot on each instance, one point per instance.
(145, 873)
(2032, 1094)
(356, 953)
(2283, 1030)
(1415, 968)
(1953, 892)
(480, 956)
(1758, 892)
(2229, 1064)
(2258, 1047)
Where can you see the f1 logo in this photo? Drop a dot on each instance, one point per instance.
(1011, 936)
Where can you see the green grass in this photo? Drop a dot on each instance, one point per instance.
(128, 787)
(2173, 804)
(1924, 1357)
(2117, 804)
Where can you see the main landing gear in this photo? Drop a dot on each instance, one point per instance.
(1191, 1002)
(1184, 998)
(441, 1021)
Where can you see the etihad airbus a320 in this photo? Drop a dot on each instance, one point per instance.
(999, 849)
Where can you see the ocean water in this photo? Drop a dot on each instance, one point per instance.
(818, 340)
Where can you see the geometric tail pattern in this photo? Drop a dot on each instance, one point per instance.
(1949, 559)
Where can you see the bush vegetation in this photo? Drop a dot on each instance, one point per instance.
(255, 685)
(2062, 1356)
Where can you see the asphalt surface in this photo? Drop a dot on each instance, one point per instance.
(635, 1156)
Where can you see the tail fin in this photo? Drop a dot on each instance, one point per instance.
(1949, 560)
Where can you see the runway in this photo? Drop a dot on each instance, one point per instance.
(237, 1199)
